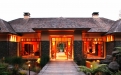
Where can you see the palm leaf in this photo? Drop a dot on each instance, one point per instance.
(85, 69)
(118, 48)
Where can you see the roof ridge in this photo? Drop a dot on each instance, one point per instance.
(9, 27)
(4, 25)
(117, 26)
(99, 23)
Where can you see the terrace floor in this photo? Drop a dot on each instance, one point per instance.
(60, 68)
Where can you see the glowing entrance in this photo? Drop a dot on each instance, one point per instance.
(61, 47)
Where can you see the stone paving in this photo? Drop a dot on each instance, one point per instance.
(60, 68)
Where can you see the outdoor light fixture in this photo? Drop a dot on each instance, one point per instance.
(29, 68)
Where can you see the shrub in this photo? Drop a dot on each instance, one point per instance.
(25, 67)
(44, 61)
(36, 69)
(3, 69)
(23, 72)
(102, 69)
(8, 60)
(14, 60)
(17, 60)
(85, 69)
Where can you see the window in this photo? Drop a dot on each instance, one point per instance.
(30, 39)
(13, 38)
(93, 48)
(109, 38)
(30, 47)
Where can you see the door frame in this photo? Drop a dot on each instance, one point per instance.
(62, 36)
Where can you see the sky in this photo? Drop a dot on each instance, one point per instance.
(13, 9)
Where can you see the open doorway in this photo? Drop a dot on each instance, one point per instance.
(61, 47)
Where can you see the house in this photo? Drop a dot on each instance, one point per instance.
(59, 38)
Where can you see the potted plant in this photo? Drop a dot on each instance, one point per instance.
(61, 47)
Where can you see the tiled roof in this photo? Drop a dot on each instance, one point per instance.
(5, 27)
(95, 24)
(116, 27)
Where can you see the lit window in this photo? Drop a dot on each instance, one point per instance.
(93, 48)
(13, 38)
(110, 38)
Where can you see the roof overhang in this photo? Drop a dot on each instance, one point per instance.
(60, 29)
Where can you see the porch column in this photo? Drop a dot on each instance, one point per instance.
(77, 49)
(45, 48)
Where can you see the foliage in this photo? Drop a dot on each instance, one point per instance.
(102, 68)
(118, 56)
(14, 60)
(118, 48)
(44, 61)
(36, 69)
(3, 65)
(94, 65)
(23, 72)
(3, 68)
(17, 60)
(25, 67)
(118, 73)
(38, 60)
(8, 60)
(85, 69)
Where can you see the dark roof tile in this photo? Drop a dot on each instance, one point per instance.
(116, 27)
(6, 27)
(96, 24)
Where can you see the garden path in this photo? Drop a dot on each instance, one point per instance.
(60, 68)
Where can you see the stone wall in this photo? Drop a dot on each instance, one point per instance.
(8, 49)
(4, 49)
(77, 49)
(45, 45)
(13, 48)
(109, 47)
(117, 43)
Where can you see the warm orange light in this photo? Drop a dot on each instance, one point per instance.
(29, 65)
(53, 43)
(95, 39)
(110, 38)
(12, 38)
(98, 61)
(69, 43)
(91, 66)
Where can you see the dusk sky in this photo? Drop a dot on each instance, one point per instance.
(13, 9)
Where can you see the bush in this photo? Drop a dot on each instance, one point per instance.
(36, 69)
(25, 67)
(44, 61)
(100, 69)
(22, 72)
(3, 69)
(17, 60)
(14, 60)
(8, 60)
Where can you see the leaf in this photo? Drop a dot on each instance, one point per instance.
(85, 69)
